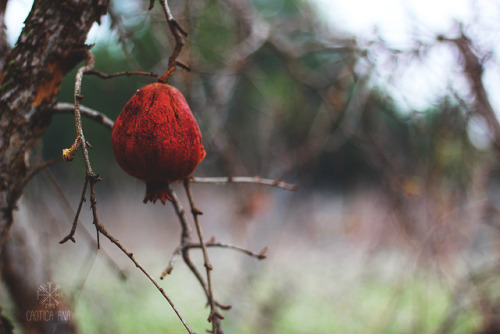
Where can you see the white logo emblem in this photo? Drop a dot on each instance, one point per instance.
(49, 295)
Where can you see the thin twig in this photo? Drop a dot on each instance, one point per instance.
(214, 315)
(81, 142)
(184, 66)
(66, 108)
(178, 34)
(171, 263)
(115, 241)
(261, 255)
(66, 206)
(185, 239)
(119, 74)
(184, 250)
(71, 234)
(245, 179)
(212, 244)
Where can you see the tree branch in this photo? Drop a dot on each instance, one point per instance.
(70, 214)
(245, 179)
(212, 244)
(185, 239)
(473, 69)
(119, 74)
(67, 108)
(115, 241)
(178, 34)
(215, 316)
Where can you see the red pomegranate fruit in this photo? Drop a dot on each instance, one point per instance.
(157, 140)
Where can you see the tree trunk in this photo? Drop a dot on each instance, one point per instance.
(50, 45)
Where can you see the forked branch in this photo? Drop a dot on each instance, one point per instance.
(215, 316)
(178, 33)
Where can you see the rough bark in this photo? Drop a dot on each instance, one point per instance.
(4, 45)
(50, 45)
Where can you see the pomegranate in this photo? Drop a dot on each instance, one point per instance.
(157, 140)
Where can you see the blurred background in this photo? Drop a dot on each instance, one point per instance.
(383, 113)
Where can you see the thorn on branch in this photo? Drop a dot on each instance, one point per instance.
(214, 315)
(222, 306)
(182, 65)
(196, 211)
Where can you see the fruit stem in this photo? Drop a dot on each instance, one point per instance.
(179, 35)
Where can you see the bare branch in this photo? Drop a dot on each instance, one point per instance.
(119, 74)
(473, 69)
(178, 34)
(215, 316)
(184, 250)
(80, 137)
(66, 108)
(171, 263)
(260, 256)
(245, 179)
(71, 234)
(115, 241)
(185, 240)
(81, 142)
(66, 206)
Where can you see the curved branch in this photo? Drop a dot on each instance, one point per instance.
(68, 108)
(245, 179)
(179, 35)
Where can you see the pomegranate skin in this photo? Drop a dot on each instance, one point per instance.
(157, 140)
